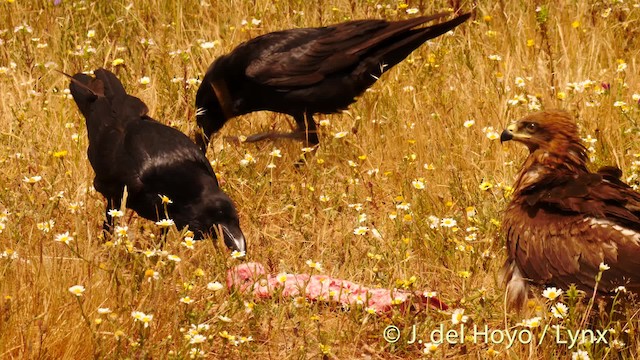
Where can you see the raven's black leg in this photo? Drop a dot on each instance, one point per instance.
(309, 129)
(275, 135)
(306, 131)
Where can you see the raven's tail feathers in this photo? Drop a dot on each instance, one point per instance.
(399, 49)
(112, 86)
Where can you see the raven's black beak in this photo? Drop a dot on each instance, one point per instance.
(234, 238)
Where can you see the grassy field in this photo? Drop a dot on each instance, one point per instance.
(419, 162)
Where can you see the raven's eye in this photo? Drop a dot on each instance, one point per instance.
(531, 127)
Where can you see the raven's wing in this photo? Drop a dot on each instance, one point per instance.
(302, 57)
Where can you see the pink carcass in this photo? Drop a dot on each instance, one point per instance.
(252, 277)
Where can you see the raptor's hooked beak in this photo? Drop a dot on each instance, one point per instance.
(507, 134)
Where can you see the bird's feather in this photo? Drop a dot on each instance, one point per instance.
(304, 57)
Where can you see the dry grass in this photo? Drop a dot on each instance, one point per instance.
(412, 117)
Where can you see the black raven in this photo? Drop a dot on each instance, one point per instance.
(128, 148)
(301, 72)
